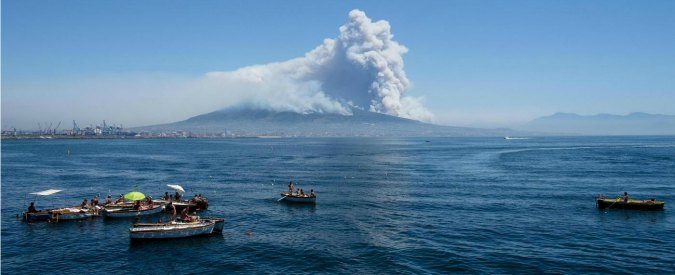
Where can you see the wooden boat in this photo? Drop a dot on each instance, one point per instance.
(130, 212)
(171, 230)
(61, 214)
(190, 205)
(40, 216)
(288, 197)
(72, 213)
(618, 203)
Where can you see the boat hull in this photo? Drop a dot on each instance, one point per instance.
(171, 231)
(297, 199)
(219, 224)
(191, 206)
(41, 216)
(631, 204)
(130, 213)
(60, 214)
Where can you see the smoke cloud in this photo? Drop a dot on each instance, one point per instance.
(362, 68)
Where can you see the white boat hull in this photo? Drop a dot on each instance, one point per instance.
(74, 216)
(171, 231)
(127, 213)
(71, 214)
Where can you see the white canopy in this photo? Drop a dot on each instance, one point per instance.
(176, 187)
(46, 192)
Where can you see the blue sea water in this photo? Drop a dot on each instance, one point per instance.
(440, 205)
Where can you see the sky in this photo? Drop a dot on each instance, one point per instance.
(469, 63)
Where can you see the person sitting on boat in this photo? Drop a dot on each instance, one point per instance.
(84, 204)
(311, 193)
(31, 208)
(120, 199)
(94, 201)
(166, 196)
(302, 193)
(177, 196)
(290, 187)
(185, 217)
(625, 197)
(137, 205)
(108, 200)
(148, 201)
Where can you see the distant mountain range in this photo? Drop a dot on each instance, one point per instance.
(604, 124)
(244, 121)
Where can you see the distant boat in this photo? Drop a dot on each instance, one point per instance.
(618, 203)
(515, 137)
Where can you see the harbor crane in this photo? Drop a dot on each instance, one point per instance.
(56, 128)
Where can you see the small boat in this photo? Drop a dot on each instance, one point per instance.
(618, 203)
(130, 212)
(72, 213)
(288, 197)
(42, 215)
(190, 205)
(507, 137)
(171, 230)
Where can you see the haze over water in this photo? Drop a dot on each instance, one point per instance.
(384, 205)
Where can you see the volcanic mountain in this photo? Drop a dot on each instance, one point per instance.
(246, 121)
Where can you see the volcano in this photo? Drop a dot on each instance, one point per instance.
(250, 121)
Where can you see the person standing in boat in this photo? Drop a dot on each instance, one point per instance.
(94, 201)
(172, 210)
(31, 208)
(290, 187)
(177, 196)
(166, 196)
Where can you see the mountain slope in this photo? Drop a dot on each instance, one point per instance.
(604, 124)
(257, 122)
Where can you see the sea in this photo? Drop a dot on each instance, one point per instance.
(384, 205)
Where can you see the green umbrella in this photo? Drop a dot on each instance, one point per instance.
(134, 196)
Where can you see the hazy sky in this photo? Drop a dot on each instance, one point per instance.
(491, 63)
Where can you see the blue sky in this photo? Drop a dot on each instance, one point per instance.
(478, 63)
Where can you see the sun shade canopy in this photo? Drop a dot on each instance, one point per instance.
(176, 187)
(46, 192)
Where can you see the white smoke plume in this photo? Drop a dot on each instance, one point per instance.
(362, 68)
